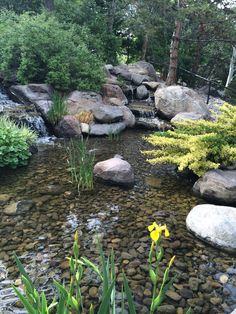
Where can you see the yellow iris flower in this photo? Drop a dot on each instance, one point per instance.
(156, 231)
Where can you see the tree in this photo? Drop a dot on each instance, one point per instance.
(172, 73)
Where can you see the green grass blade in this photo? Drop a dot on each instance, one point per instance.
(104, 307)
(23, 272)
(129, 295)
(25, 302)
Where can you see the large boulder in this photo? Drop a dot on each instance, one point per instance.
(214, 224)
(172, 100)
(106, 128)
(68, 127)
(78, 102)
(38, 94)
(185, 116)
(115, 170)
(113, 95)
(217, 185)
(137, 73)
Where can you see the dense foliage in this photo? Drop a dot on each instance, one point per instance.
(198, 145)
(14, 143)
(37, 48)
(58, 109)
(74, 34)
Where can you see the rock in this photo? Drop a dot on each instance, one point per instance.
(224, 279)
(38, 94)
(115, 170)
(19, 208)
(153, 124)
(172, 100)
(166, 309)
(93, 292)
(128, 117)
(173, 295)
(137, 72)
(217, 185)
(142, 92)
(4, 198)
(68, 127)
(85, 128)
(214, 224)
(89, 101)
(183, 116)
(113, 95)
(194, 283)
(151, 85)
(106, 129)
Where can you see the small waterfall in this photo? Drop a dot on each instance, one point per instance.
(22, 114)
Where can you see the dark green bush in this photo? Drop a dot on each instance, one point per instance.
(38, 48)
(14, 143)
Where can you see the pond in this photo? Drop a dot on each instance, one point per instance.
(43, 236)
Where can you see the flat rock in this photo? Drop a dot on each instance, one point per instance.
(217, 185)
(18, 207)
(115, 170)
(214, 224)
(172, 100)
(38, 94)
(113, 95)
(183, 116)
(106, 129)
(4, 198)
(151, 85)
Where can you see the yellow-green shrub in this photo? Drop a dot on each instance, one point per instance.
(197, 145)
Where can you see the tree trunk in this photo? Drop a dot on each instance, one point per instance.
(49, 5)
(172, 73)
(232, 68)
(144, 47)
(197, 52)
(111, 16)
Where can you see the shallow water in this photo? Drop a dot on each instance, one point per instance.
(43, 236)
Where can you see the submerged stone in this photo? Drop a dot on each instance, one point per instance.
(18, 207)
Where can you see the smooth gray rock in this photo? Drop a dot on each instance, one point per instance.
(183, 116)
(214, 224)
(106, 129)
(142, 92)
(217, 185)
(115, 170)
(152, 124)
(172, 100)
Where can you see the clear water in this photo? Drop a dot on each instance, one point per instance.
(43, 236)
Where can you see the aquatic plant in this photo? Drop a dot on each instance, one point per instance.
(69, 299)
(114, 136)
(15, 142)
(81, 164)
(58, 109)
(197, 145)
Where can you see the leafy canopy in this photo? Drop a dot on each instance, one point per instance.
(38, 48)
(197, 145)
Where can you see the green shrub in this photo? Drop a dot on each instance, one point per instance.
(58, 109)
(14, 143)
(198, 145)
(38, 48)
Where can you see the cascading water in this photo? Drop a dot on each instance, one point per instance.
(22, 114)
